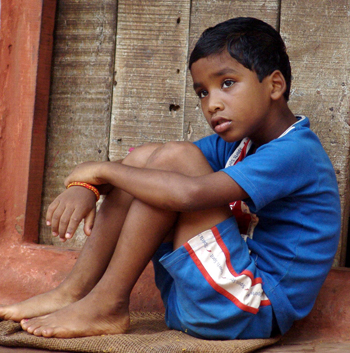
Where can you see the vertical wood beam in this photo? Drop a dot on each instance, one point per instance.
(21, 24)
(38, 142)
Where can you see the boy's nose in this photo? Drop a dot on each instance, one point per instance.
(215, 104)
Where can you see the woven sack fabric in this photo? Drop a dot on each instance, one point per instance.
(148, 333)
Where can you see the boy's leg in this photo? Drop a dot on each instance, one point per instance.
(105, 309)
(95, 255)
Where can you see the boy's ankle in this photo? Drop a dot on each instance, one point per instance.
(112, 303)
(73, 292)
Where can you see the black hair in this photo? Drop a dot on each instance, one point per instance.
(253, 43)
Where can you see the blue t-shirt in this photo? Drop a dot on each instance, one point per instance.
(293, 190)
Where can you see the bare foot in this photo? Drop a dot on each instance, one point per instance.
(36, 306)
(87, 317)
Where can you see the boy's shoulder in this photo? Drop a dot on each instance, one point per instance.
(298, 150)
(298, 141)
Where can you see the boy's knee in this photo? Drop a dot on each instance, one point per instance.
(140, 155)
(168, 154)
(179, 156)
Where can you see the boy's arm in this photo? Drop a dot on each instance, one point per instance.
(163, 189)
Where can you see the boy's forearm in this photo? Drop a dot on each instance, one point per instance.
(155, 187)
(173, 191)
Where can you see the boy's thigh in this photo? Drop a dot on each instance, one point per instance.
(211, 287)
(190, 224)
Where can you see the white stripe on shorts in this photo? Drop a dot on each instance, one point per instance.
(212, 258)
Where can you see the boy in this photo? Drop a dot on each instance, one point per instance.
(171, 203)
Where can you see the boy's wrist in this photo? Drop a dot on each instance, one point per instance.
(87, 186)
(104, 172)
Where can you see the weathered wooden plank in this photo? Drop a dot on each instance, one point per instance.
(316, 33)
(148, 98)
(206, 13)
(82, 80)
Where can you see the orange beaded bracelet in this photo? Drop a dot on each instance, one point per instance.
(85, 185)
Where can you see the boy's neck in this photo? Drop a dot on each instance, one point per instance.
(280, 120)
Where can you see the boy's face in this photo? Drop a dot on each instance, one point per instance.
(234, 102)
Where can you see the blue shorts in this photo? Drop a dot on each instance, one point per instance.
(211, 287)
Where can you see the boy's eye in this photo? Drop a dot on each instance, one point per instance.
(202, 94)
(228, 83)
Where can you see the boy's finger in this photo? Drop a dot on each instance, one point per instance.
(74, 221)
(52, 208)
(56, 219)
(65, 221)
(89, 222)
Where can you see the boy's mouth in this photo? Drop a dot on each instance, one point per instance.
(220, 125)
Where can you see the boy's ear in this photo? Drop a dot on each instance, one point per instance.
(278, 85)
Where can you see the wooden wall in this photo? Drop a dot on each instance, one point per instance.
(120, 79)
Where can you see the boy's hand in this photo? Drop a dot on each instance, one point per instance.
(88, 172)
(69, 209)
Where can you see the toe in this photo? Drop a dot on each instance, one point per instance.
(48, 332)
(37, 331)
(25, 324)
(43, 331)
(30, 326)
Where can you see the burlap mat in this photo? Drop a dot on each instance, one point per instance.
(148, 333)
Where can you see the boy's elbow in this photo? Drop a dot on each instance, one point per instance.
(188, 199)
